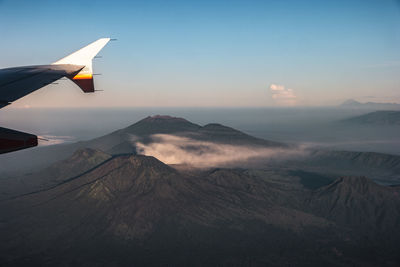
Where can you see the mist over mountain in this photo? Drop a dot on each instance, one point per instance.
(317, 127)
(178, 126)
(178, 141)
(124, 140)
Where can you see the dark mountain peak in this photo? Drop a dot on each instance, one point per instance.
(136, 167)
(143, 131)
(135, 164)
(160, 118)
(141, 161)
(123, 177)
(165, 119)
(350, 102)
(160, 124)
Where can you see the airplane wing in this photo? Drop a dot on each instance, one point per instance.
(12, 140)
(20, 81)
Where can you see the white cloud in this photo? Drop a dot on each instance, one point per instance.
(283, 96)
(49, 140)
(172, 149)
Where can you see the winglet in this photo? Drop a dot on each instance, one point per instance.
(83, 57)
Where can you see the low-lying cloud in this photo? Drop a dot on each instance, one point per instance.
(49, 140)
(172, 149)
(283, 96)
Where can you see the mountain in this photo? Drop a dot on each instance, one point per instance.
(126, 210)
(350, 102)
(125, 140)
(353, 104)
(376, 118)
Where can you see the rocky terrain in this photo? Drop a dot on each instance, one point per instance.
(119, 207)
(130, 209)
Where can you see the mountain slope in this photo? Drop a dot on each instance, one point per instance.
(128, 209)
(369, 159)
(360, 203)
(81, 161)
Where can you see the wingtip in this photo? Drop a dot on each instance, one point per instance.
(86, 84)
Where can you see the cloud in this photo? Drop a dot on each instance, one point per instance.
(283, 96)
(49, 140)
(172, 149)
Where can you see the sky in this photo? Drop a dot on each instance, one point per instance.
(211, 53)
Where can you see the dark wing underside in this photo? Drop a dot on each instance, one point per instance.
(18, 82)
(11, 140)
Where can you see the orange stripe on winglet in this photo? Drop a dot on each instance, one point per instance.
(83, 76)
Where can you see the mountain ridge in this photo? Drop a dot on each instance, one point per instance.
(138, 202)
(351, 103)
(376, 118)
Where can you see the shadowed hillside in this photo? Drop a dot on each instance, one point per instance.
(130, 209)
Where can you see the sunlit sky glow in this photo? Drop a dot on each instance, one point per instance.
(211, 53)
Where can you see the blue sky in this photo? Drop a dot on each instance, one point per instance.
(211, 53)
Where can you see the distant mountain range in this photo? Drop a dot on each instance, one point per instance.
(353, 104)
(377, 118)
(133, 210)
